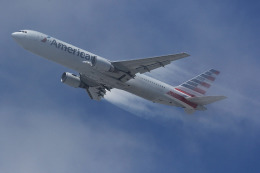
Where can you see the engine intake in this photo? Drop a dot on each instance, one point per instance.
(72, 80)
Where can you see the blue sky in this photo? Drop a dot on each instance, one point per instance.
(46, 126)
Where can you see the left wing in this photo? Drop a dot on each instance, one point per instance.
(96, 91)
(130, 67)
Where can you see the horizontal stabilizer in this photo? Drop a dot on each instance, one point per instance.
(204, 100)
(189, 111)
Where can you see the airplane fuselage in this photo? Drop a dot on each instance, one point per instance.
(82, 61)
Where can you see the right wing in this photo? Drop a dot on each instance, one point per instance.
(129, 68)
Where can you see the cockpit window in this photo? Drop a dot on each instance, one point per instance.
(23, 31)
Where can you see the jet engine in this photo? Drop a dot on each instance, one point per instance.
(102, 64)
(72, 80)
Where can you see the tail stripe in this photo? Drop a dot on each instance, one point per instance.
(197, 81)
(208, 73)
(199, 90)
(194, 88)
(205, 84)
(184, 92)
(200, 83)
(200, 78)
(188, 86)
(182, 99)
(192, 83)
(215, 71)
(208, 77)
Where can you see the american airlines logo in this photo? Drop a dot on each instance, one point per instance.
(71, 50)
(45, 39)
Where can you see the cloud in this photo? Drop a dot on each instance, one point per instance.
(56, 141)
(127, 100)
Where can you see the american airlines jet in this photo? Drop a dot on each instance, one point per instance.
(98, 75)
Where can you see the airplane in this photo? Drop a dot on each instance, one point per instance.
(98, 75)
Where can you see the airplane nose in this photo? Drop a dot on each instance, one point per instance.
(16, 35)
(19, 37)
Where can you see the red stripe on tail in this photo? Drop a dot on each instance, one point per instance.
(205, 84)
(211, 78)
(199, 90)
(215, 71)
(184, 92)
(179, 97)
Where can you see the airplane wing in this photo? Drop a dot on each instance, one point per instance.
(129, 68)
(96, 91)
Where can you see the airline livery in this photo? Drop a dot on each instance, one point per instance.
(98, 75)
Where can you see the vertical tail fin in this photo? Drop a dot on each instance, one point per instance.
(198, 85)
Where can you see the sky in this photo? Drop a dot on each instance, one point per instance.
(46, 126)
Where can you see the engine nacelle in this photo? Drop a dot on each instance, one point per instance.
(102, 64)
(72, 80)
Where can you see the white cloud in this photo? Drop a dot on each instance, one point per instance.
(129, 102)
(53, 141)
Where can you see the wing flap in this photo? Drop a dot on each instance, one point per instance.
(96, 93)
(142, 68)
